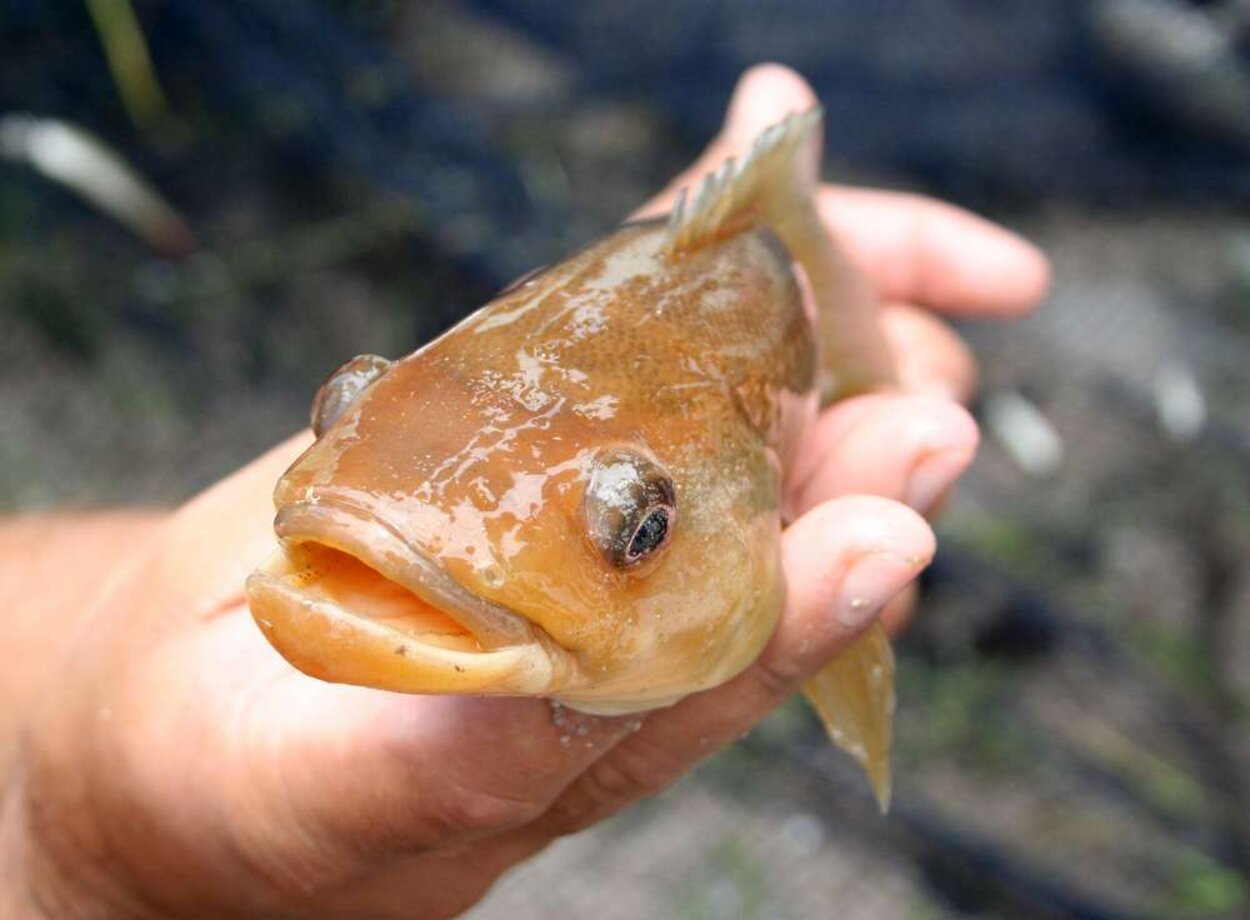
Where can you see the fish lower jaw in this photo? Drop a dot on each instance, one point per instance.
(330, 640)
(627, 693)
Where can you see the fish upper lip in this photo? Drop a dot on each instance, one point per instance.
(348, 527)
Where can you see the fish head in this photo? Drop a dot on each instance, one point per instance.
(514, 511)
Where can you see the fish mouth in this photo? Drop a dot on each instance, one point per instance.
(347, 598)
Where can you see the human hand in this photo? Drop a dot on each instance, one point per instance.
(179, 766)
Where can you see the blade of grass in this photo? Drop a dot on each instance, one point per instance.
(129, 60)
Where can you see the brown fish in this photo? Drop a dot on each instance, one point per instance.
(577, 492)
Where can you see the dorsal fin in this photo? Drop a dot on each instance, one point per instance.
(775, 186)
(782, 164)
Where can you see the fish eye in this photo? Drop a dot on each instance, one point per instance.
(342, 388)
(630, 507)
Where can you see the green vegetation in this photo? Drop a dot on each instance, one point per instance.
(1005, 539)
(960, 713)
(129, 60)
(1202, 888)
(1180, 655)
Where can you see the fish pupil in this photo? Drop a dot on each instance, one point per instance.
(650, 534)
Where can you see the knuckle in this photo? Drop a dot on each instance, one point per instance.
(777, 678)
(603, 790)
(573, 812)
(466, 811)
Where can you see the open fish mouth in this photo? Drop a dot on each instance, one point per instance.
(346, 598)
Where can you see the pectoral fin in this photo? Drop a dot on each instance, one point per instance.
(854, 697)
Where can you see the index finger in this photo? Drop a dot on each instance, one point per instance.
(921, 250)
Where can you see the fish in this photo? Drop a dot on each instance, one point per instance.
(578, 492)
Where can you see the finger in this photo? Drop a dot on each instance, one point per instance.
(764, 95)
(930, 357)
(925, 251)
(843, 561)
(388, 793)
(911, 448)
(386, 774)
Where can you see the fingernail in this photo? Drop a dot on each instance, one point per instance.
(934, 476)
(871, 582)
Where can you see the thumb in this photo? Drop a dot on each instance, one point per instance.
(764, 95)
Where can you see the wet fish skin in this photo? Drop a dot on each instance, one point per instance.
(578, 491)
(478, 449)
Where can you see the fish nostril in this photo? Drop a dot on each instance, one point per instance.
(342, 388)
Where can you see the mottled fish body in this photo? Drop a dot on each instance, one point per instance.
(577, 492)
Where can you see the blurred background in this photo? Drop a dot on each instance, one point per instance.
(205, 207)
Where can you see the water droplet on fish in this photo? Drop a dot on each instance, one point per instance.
(859, 603)
(493, 576)
(876, 674)
(583, 730)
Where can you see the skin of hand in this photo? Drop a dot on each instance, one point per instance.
(170, 763)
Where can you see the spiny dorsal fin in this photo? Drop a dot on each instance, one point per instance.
(782, 162)
(775, 186)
